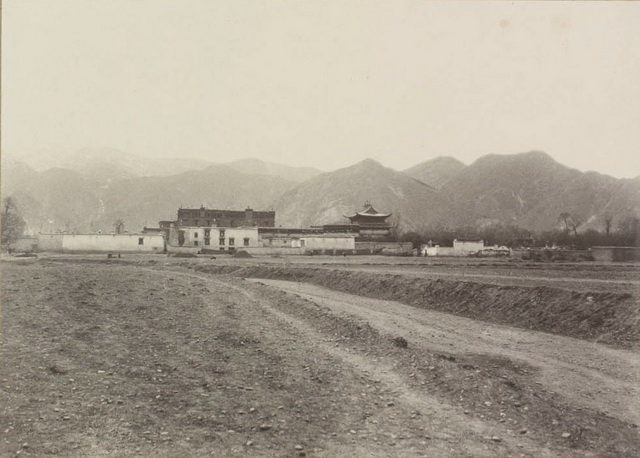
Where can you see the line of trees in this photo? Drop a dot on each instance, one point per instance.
(625, 233)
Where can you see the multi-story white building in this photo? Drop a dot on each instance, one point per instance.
(218, 238)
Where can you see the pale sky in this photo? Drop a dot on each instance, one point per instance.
(325, 83)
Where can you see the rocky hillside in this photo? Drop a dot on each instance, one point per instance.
(107, 165)
(532, 190)
(61, 199)
(257, 167)
(436, 172)
(327, 197)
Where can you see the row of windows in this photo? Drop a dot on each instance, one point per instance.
(207, 234)
(226, 222)
(232, 241)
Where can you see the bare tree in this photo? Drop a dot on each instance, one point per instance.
(12, 222)
(119, 226)
(396, 221)
(607, 219)
(575, 224)
(565, 217)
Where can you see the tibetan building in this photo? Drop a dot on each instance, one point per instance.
(371, 223)
(205, 217)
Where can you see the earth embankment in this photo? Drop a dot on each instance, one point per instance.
(608, 317)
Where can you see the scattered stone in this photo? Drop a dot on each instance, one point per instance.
(299, 447)
(565, 435)
(400, 342)
(496, 439)
(523, 431)
(447, 357)
(249, 443)
(265, 427)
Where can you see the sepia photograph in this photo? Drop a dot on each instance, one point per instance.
(320, 228)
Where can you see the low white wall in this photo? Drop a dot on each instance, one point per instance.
(443, 251)
(390, 248)
(328, 243)
(467, 247)
(50, 242)
(113, 242)
(26, 244)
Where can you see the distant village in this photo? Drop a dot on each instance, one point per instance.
(214, 231)
(249, 232)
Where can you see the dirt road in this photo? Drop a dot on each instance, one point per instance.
(588, 374)
(108, 358)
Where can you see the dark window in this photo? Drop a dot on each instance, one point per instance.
(246, 241)
(195, 243)
(221, 233)
(207, 232)
(195, 235)
(222, 241)
(140, 240)
(232, 241)
(206, 242)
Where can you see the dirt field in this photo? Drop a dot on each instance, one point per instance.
(153, 356)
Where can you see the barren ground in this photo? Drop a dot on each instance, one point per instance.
(155, 358)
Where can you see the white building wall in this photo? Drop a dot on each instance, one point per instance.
(328, 243)
(113, 242)
(210, 238)
(464, 248)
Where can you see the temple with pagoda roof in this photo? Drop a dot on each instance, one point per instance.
(372, 223)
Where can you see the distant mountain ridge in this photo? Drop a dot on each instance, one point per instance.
(328, 197)
(108, 165)
(254, 166)
(61, 199)
(529, 190)
(436, 172)
(532, 189)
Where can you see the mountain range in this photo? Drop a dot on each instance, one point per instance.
(89, 190)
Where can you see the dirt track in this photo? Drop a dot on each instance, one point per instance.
(107, 358)
(577, 369)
